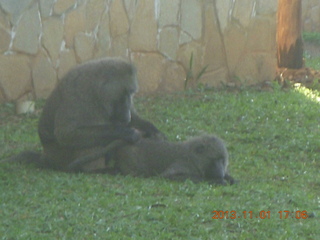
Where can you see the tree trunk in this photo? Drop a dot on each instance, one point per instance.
(289, 40)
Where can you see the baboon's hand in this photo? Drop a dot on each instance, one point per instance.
(152, 132)
(132, 135)
(156, 136)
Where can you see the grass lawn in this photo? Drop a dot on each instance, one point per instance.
(273, 138)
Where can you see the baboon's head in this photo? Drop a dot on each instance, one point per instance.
(113, 84)
(212, 157)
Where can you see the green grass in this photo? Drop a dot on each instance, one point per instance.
(313, 63)
(312, 37)
(274, 145)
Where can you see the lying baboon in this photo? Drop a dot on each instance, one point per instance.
(91, 157)
(202, 158)
(90, 108)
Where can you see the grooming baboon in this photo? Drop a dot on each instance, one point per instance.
(90, 108)
(202, 158)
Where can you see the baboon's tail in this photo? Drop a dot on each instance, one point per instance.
(24, 157)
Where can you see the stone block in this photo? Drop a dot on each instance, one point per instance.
(173, 77)
(214, 52)
(52, 37)
(62, 6)
(305, 10)
(191, 17)
(308, 26)
(44, 76)
(261, 35)
(143, 34)
(269, 7)
(315, 15)
(4, 20)
(223, 8)
(24, 106)
(184, 38)
(84, 46)
(256, 67)
(94, 11)
(235, 39)
(184, 55)
(215, 78)
(46, 7)
(15, 76)
(119, 23)
(119, 46)
(131, 7)
(5, 40)
(82, 2)
(150, 70)
(75, 22)
(169, 42)
(28, 32)
(2, 97)
(67, 61)
(243, 10)
(15, 8)
(169, 12)
(103, 37)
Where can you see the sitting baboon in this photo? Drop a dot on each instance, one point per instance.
(202, 158)
(90, 108)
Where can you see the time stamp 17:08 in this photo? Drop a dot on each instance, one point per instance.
(260, 215)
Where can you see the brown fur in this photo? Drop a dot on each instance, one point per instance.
(202, 158)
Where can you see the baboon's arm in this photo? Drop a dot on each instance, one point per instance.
(146, 127)
(90, 136)
(76, 166)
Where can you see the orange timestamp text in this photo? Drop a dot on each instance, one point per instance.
(285, 214)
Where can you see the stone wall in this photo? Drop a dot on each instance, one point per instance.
(40, 40)
(311, 15)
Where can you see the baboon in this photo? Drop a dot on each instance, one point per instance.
(203, 158)
(90, 108)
